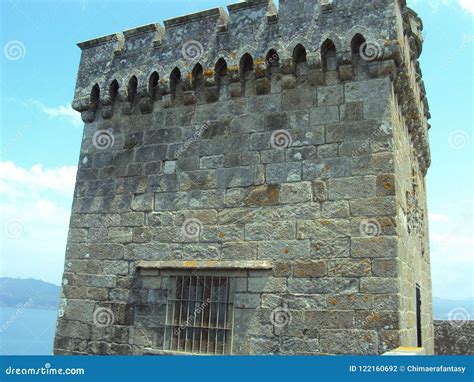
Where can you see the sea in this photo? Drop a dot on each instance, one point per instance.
(27, 331)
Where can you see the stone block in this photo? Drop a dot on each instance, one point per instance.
(79, 310)
(246, 300)
(247, 124)
(319, 190)
(326, 168)
(349, 341)
(296, 99)
(323, 285)
(264, 195)
(323, 228)
(283, 172)
(267, 284)
(378, 285)
(283, 250)
(120, 234)
(377, 319)
(171, 201)
(324, 115)
(239, 250)
(353, 111)
(164, 183)
(235, 177)
(337, 209)
(384, 267)
(277, 121)
(349, 267)
(351, 188)
(300, 346)
(374, 164)
(323, 248)
(301, 153)
(270, 231)
(385, 185)
(222, 233)
(292, 193)
(142, 202)
(272, 156)
(310, 268)
(329, 319)
(383, 246)
(372, 89)
(197, 180)
(354, 301)
(383, 206)
(330, 95)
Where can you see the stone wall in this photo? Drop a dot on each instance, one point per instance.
(295, 158)
(454, 338)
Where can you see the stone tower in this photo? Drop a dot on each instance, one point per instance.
(252, 182)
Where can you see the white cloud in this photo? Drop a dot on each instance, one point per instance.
(16, 179)
(468, 5)
(34, 218)
(451, 247)
(62, 112)
(434, 217)
(66, 112)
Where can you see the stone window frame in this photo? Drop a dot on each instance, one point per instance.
(203, 268)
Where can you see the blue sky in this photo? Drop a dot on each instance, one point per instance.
(41, 134)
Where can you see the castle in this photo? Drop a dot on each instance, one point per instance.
(252, 182)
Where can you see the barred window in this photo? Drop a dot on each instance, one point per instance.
(199, 315)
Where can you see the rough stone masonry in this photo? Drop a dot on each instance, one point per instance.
(252, 182)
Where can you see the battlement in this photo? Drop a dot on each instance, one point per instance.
(255, 49)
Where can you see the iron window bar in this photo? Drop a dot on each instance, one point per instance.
(199, 315)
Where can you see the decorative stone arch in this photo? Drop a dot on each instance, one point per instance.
(197, 76)
(328, 53)
(95, 96)
(113, 91)
(272, 58)
(153, 85)
(247, 49)
(246, 65)
(299, 54)
(220, 70)
(339, 42)
(356, 43)
(175, 78)
(132, 89)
